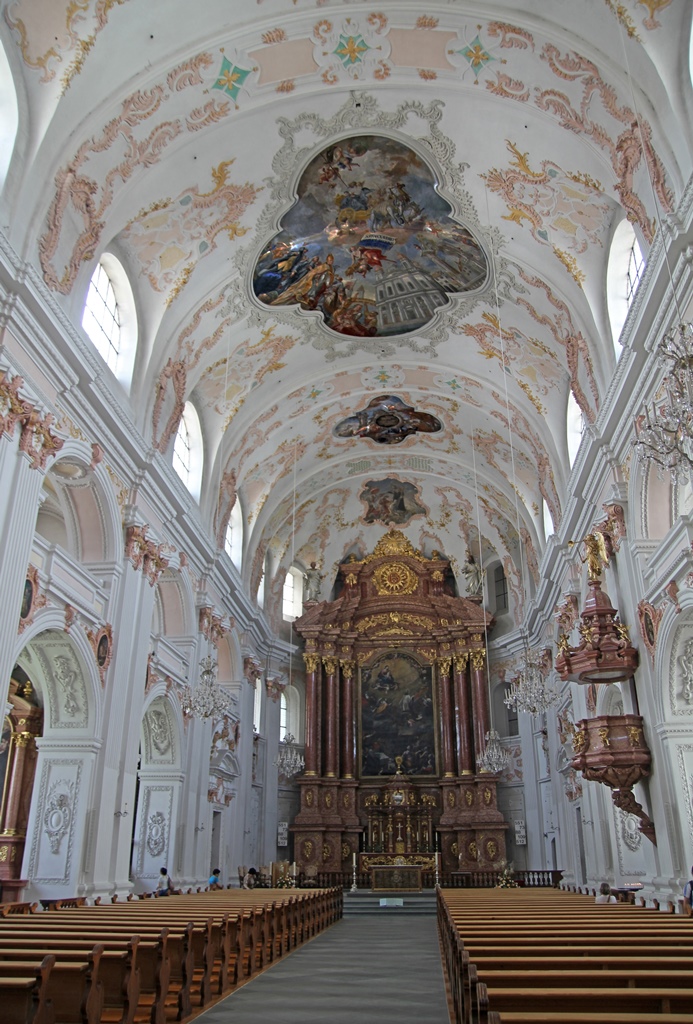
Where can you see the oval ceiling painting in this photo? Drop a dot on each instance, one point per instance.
(369, 242)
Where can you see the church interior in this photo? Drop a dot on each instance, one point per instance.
(346, 386)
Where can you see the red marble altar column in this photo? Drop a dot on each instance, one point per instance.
(331, 666)
(446, 716)
(479, 700)
(17, 782)
(312, 712)
(465, 745)
(348, 712)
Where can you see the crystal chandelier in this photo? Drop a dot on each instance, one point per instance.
(666, 437)
(528, 691)
(494, 758)
(207, 699)
(289, 759)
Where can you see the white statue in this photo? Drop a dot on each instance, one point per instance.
(313, 579)
(474, 575)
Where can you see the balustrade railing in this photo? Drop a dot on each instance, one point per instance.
(542, 878)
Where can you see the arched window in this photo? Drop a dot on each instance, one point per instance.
(500, 588)
(283, 717)
(575, 424)
(292, 595)
(626, 266)
(109, 317)
(9, 116)
(257, 706)
(290, 714)
(233, 543)
(187, 450)
(264, 581)
(548, 519)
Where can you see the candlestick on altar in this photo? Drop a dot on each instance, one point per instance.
(354, 886)
(437, 866)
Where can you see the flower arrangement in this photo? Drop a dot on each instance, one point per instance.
(506, 878)
(285, 882)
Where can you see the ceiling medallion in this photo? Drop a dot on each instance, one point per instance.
(369, 243)
(387, 420)
(395, 578)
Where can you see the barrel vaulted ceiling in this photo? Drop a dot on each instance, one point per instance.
(177, 135)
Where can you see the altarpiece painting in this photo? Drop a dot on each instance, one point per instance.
(397, 716)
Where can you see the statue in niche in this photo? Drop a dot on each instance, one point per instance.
(313, 581)
(474, 575)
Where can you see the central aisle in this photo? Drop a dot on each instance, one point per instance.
(370, 969)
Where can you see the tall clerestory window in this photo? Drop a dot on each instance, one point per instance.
(109, 318)
(187, 450)
(292, 595)
(233, 542)
(626, 267)
(101, 317)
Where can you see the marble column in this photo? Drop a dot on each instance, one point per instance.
(465, 745)
(331, 666)
(446, 715)
(479, 700)
(348, 727)
(312, 681)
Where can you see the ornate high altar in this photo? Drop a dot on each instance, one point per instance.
(396, 715)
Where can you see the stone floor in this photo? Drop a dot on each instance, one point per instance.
(364, 970)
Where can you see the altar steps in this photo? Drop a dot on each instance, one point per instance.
(366, 902)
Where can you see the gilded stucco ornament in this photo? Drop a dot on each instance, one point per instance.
(395, 578)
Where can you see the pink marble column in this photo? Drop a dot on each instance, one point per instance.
(446, 715)
(312, 712)
(465, 744)
(479, 700)
(331, 666)
(348, 711)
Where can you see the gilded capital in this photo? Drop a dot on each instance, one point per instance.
(478, 657)
(330, 665)
(348, 668)
(461, 661)
(312, 662)
(444, 665)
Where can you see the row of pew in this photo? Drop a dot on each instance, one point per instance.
(150, 961)
(514, 956)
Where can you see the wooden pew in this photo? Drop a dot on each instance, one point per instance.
(208, 943)
(23, 994)
(118, 974)
(520, 960)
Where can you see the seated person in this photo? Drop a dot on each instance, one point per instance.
(249, 879)
(213, 881)
(605, 895)
(164, 886)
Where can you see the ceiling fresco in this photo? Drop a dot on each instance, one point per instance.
(387, 420)
(368, 243)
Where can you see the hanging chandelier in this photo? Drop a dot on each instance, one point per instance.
(289, 759)
(528, 691)
(495, 757)
(207, 699)
(666, 437)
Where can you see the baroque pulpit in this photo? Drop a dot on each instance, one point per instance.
(397, 710)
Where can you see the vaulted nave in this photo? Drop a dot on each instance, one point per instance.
(346, 389)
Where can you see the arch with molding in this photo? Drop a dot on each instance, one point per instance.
(174, 605)
(85, 497)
